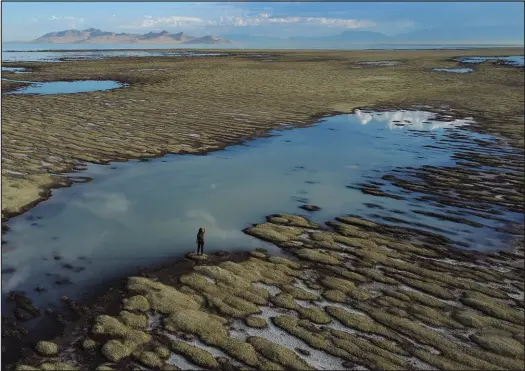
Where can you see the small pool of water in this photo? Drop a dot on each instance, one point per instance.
(137, 213)
(66, 87)
(379, 63)
(57, 56)
(14, 69)
(454, 70)
(513, 60)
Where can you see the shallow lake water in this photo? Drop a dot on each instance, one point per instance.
(136, 213)
(56, 56)
(513, 60)
(454, 70)
(66, 87)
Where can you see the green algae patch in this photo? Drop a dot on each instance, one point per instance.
(339, 284)
(274, 233)
(438, 361)
(376, 275)
(284, 261)
(317, 256)
(89, 344)
(46, 348)
(432, 316)
(162, 351)
(223, 297)
(256, 322)
(372, 356)
(472, 319)
(346, 230)
(278, 354)
(501, 345)
(424, 336)
(360, 322)
(208, 327)
(346, 273)
(284, 300)
(293, 221)
(115, 350)
(491, 307)
(357, 221)
(232, 306)
(345, 286)
(129, 339)
(25, 368)
(425, 299)
(316, 315)
(257, 254)
(334, 295)
(291, 325)
(136, 303)
(195, 354)
(149, 359)
(428, 287)
(299, 293)
(162, 298)
(139, 321)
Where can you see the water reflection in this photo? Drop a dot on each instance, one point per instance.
(137, 213)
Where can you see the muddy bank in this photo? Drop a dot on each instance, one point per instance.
(350, 293)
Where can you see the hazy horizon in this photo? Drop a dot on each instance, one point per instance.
(488, 23)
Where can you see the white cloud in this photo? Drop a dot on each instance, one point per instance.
(70, 21)
(266, 18)
(156, 22)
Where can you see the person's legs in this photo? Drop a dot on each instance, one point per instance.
(199, 248)
(202, 247)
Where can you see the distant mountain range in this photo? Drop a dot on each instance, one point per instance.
(480, 35)
(444, 35)
(96, 36)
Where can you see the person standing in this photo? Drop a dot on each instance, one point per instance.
(200, 241)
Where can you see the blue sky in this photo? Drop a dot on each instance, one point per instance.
(26, 21)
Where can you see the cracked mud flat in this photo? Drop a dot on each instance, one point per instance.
(312, 311)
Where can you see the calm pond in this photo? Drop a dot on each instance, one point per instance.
(136, 213)
(66, 87)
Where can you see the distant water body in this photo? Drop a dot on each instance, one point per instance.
(12, 52)
(9, 47)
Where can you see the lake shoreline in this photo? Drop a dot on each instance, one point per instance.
(104, 298)
(108, 299)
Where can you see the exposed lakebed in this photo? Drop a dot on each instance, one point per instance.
(65, 87)
(138, 213)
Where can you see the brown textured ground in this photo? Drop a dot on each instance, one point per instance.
(224, 100)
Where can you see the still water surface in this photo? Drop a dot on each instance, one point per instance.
(66, 87)
(137, 213)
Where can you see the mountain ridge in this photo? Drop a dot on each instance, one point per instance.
(97, 36)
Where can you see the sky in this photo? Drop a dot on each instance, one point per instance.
(22, 21)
